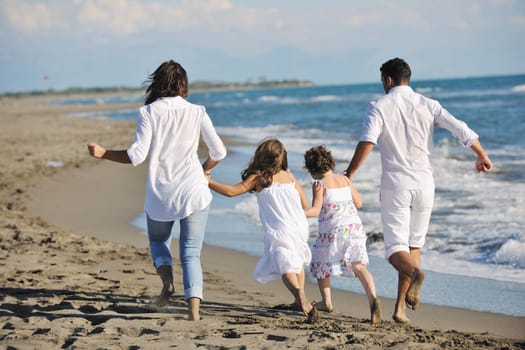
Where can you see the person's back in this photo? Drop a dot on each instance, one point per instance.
(168, 132)
(340, 247)
(406, 137)
(174, 126)
(401, 123)
(338, 206)
(280, 206)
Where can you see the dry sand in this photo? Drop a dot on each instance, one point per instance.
(76, 275)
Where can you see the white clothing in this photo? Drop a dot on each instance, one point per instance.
(285, 232)
(405, 215)
(401, 123)
(341, 240)
(168, 131)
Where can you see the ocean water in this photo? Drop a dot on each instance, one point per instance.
(475, 250)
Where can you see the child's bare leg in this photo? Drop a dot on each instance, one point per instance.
(291, 281)
(193, 309)
(324, 288)
(166, 275)
(301, 278)
(366, 279)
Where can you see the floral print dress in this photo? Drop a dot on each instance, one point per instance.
(341, 238)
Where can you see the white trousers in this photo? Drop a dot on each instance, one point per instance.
(405, 215)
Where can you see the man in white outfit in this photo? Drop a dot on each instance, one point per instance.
(401, 123)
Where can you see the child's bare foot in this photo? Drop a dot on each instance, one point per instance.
(301, 300)
(313, 316)
(322, 306)
(165, 294)
(292, 307)
(375, 311)
(412, 296)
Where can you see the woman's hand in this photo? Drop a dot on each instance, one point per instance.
(96, 150)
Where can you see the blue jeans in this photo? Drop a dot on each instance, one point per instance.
(190, 245)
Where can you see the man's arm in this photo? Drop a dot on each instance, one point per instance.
(483, 163)
(362, 150)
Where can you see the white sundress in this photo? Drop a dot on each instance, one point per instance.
(285, 232)
(341, 238)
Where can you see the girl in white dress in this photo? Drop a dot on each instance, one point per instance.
(340, 248)
(281, 203)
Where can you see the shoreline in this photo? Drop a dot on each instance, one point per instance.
(238, 265)
(72, 261)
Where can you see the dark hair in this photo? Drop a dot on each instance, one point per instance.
(270, 157)
(168, 80)
(319, 160)
(397, 69)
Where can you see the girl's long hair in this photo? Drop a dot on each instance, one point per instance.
(270, 157)
(168, 80)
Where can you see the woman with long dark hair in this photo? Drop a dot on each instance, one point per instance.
(168, 132)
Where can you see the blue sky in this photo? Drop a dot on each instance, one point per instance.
(85, 43)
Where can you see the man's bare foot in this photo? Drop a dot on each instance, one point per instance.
(400, 319)
(412, 296)
(321, 306)
(375, 311)
(165, 294)
(300, 298)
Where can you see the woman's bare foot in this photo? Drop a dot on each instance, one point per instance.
(165, 294)
(412, 296)
(166, 276)
(322, 306)
(375, 311)
(193, 309)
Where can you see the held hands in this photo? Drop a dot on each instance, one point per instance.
(96, 150)
(207, 174)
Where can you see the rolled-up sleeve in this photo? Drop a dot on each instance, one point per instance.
(138, 151)
(372, 125)
(216, 148)
(457, 128)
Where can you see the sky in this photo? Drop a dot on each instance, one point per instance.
(57, 44)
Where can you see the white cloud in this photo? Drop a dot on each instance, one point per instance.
(125, 18)
(27, 18)
(270, 35)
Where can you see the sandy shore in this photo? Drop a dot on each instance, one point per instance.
(76, 275)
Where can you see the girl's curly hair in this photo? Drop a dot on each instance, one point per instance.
(270, 157)
(319, 160)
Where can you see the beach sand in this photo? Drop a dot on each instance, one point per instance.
(76, 275)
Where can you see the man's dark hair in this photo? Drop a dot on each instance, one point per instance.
(397, 69)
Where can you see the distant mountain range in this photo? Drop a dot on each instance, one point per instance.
(197, 85)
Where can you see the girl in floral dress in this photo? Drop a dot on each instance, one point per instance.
(340, 248)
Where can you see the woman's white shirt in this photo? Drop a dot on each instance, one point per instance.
(168, 132)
